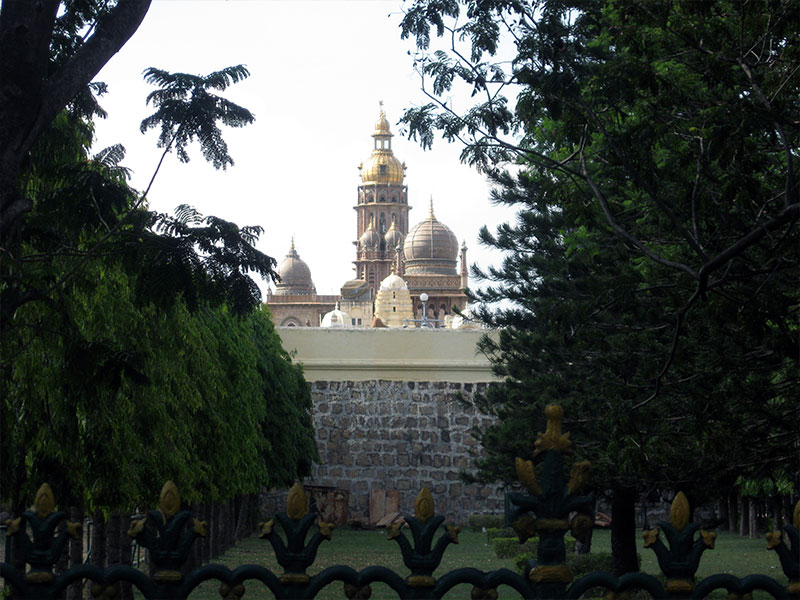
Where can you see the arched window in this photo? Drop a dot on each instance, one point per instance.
(443, 308)
(383, 223)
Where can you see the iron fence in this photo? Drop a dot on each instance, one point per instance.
(169, 532)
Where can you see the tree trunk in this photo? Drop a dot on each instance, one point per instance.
(76, 553)
(732, 514)
(776, 513)
(112, 543)
(742, 506)
(126, 589)
(214, 530)
(98, 543)
(753, 524)
(623, 530)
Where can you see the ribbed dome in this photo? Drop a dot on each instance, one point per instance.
(382, 167)
(431, 247)
(295, 275)
(370, 239)
(393, 237)
(393, 282)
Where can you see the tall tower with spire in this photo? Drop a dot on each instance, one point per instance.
(381, 209)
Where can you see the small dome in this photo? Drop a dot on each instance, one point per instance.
(295, 275)
(336, 318)
(393, 237)
(382, 125)
(430, 247)
(393, 282)
(370, 239)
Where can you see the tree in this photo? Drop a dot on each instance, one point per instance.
(652, 267)
(133, 347)
(51, 50)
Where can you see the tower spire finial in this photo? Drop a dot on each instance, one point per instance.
(432, 216)
(380, 103)
(292, 246)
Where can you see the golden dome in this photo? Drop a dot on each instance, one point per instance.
(382, 166)
(295, 275)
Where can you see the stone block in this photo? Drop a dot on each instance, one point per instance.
(336, 409)
(388, 460)
(456, 490)
(403, 484)
(460, 462)
(402, 460)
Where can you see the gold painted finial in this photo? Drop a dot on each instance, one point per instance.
(527, 475)
(296, 502)
(292, 245)
(169, 502)
(679, 512)
(45, 502)
(423, 507)
(579, 476)
(552, 438)
(380, 104)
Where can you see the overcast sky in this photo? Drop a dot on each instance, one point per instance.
(318, 70)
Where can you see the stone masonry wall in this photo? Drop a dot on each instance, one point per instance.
(400, 435)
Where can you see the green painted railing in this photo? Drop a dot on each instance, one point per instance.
(168, 534)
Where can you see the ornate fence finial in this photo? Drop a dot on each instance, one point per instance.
(295, 556)
(420, 559)
(45, 549)
(680, 561)
(789, 557)
(552, 438)
(550, 501)
(170, 547)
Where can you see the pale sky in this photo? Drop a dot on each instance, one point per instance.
(318, 70)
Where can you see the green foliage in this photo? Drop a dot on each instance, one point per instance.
(480, 522)
(134, 347)
(649, 278)
(499, 532)
(186, 111)
(509, 547)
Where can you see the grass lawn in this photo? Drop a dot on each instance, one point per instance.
(359, 549)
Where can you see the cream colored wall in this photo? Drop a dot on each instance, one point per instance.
(391, 354)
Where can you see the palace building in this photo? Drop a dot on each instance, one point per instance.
(422, 262)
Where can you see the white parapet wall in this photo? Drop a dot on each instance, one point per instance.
(388, 354)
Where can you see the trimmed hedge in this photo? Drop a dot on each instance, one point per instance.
(498, 532)
(480, 523)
